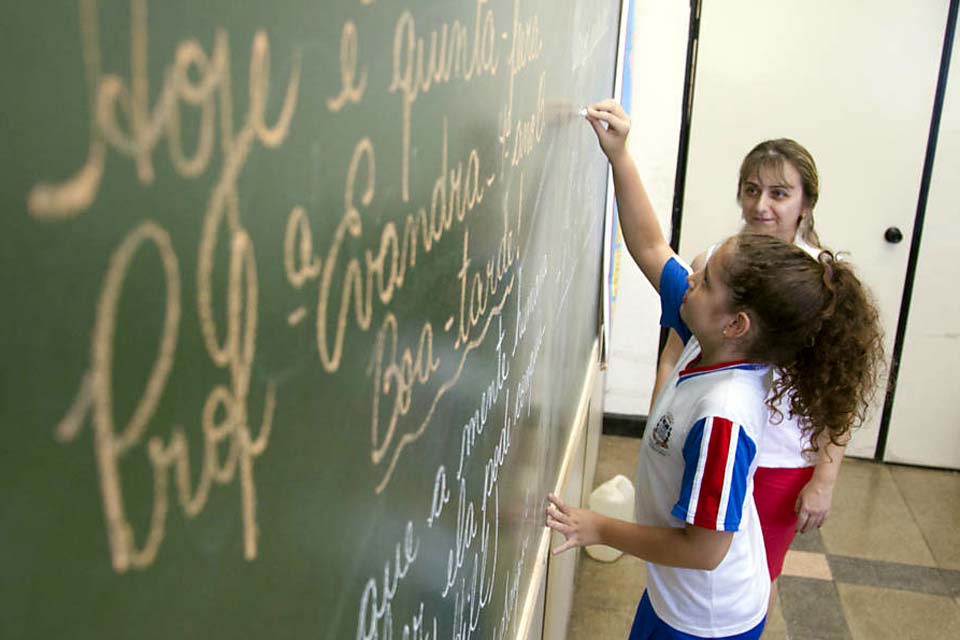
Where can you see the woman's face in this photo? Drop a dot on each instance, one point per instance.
(772, 202)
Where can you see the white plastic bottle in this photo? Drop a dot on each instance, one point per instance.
(615, 499)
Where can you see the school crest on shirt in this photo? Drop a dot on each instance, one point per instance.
(660, 438)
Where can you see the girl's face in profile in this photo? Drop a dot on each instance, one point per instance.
(772, 202)
(706, 306)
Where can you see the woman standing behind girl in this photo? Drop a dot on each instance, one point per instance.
(777, 190)
(757, 303)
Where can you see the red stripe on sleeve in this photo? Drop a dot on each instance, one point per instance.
(714, 472)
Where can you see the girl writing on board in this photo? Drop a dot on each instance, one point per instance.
(777, 190)
(757, 304)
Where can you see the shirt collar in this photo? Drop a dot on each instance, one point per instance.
(693, 370)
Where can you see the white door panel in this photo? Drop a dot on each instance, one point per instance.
(854, 82)
(925, 422)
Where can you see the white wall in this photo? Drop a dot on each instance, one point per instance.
(659, 62)
(857, 89)
(853, 81)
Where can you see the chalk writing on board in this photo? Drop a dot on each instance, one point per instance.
(395, 377)
(111, 446)
(476, 289)
(460, 61)
(526, 47)
(593, 21)
(109, 92)
(235, 351)
(429, 196)
(373, 275)
(476, 521)
(375, 604)
(353, 87)
(475, 425)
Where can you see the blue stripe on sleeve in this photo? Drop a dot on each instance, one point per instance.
(673, 284)
(746, 452)
(691, 456)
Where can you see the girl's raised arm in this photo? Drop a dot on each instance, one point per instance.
(641, 229)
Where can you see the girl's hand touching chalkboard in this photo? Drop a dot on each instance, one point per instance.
(613, 136)
(580, 527)
(687, 547)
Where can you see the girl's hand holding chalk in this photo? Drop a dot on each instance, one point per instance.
(613, 136)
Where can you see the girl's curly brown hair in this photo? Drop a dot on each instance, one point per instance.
(817, 323)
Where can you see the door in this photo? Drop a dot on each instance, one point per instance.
(854, 82)
(925, 421)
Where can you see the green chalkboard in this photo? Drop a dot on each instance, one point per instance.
(298, 301)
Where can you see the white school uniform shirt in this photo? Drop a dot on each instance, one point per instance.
(696, 467)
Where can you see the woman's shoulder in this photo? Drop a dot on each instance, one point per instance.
(811, 249)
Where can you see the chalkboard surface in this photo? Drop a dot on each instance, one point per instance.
(298, 301)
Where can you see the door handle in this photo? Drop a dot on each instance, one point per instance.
(893, 235)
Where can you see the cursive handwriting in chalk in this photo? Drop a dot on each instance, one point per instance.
(375, 617)
(447, 55)
(397, 375)
(224, 419)
(350, 282)
(475, 425)
(477, 288)
(109, 94)
(112, 446)
(352, 88)
(526, 46)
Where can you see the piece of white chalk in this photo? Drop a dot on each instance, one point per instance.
(582, 113)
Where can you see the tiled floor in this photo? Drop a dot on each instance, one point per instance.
(885, 565)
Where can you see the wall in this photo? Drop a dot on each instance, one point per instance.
(857, 89)
(659, 60)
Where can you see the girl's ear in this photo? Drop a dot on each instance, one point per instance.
(738, 327)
